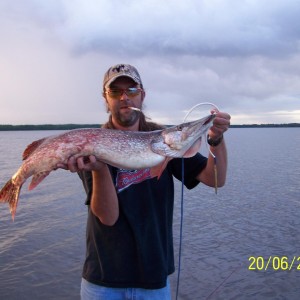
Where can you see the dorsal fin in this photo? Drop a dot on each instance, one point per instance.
(30, 148)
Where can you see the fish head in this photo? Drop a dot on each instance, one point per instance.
(178, 140)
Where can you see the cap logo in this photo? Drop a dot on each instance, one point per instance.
(121, 70)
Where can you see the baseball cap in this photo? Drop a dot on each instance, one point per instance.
(119, 70)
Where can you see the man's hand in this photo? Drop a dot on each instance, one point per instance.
(220, 125)
(82, 163)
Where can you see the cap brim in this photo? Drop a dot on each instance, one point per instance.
(109, 82)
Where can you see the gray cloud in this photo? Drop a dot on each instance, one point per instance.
(151, 27)
(242, 55)
(200, 28)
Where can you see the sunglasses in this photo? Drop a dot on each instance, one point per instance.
(117, 93)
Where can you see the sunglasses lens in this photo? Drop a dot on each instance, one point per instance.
(115, 93)
(130, 92)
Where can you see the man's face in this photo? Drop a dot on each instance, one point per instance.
(119, 105)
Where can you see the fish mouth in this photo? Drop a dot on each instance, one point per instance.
(177, 140)
(197, 128)
(209, 118)
(201, 125)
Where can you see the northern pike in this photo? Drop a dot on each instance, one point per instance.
(122, 149)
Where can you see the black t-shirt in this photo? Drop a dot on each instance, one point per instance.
(137, 251)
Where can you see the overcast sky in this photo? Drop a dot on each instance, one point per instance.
(244, 56)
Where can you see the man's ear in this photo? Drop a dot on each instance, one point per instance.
(143, 95)
(106, 102)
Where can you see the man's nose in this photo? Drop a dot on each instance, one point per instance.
(124, 95)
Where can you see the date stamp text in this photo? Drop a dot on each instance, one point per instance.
(275, 263)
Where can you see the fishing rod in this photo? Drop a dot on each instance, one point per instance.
(182, 192)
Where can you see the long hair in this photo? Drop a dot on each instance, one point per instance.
(144, 125)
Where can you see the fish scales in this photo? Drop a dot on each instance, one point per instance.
(122, 149)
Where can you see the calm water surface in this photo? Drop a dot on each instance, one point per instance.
(255, 215)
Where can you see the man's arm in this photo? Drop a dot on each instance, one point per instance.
(104, 200)
(207, 176)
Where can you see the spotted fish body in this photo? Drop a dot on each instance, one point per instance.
(122, 149)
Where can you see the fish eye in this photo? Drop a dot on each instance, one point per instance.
(179, 128)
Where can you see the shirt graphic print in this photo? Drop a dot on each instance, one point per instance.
(126, 178)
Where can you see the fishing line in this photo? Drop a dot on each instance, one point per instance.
(206, 143)
(222, 283)
(191, 110)
(181, 226)
(197, 105)
(182, 194)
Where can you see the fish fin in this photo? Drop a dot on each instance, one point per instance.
(31, 148)
(10, 193)
(157, 170)
(193, 149)
(37, 179)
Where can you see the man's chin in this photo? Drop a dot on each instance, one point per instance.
(127, 122)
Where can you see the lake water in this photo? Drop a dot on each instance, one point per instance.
(257, 214)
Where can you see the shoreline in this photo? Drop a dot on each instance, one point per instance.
(77, 126)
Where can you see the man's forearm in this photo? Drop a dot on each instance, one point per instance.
(104, 202)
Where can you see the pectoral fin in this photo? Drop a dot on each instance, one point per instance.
(193, 149)
(37, 179)
(156, 171)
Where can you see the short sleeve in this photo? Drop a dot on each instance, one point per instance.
(192, 167)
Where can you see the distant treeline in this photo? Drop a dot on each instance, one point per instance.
(75, 126)
(47, 127)
(266, 125)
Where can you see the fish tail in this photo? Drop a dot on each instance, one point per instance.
(10, 193)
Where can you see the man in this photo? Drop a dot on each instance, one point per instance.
(129, 228)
